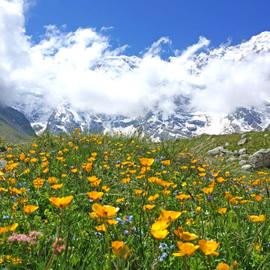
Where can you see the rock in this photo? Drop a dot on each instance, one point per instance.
(231, 159)
(246, 167)
(226, 144)
(242, 151)
(260, 159)
(219, 150)
(242, 141)
(3, 164)
(242, 162)
(244, 135)
(244, 156)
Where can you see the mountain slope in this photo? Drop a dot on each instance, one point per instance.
(185, 121)
(14, 127)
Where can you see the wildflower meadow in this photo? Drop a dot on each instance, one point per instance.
(99, 202)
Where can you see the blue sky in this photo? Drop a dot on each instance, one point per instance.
(139, 23)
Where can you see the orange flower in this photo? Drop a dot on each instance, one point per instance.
(148, 206)
(183, 196)
(222, 210)
(223, 266)
(169, 215)
(52, 180)
(56, 186)
(95, 195)
(38, 183)
(28, 209)
(185, 249)
(153, 197)
(101, 228)
(120, 249)
(209, 247)
(159, 229)
(186, 236)
(119, 200)
(166, 162)
(61, 202)
(146, 162)
(103, 211)
(8, 228)
(259, 218)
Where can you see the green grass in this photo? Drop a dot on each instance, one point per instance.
(11, 135)
(243, 244)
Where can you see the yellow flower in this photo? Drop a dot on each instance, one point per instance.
(105, 188)
(61, 202)
(56, 186)
(119, 200)
(74, 170)
(159, 229)
(222, 210)
(120, 249)
(183, 235)
(126, 180)
(209, 247)
(169, 215)
(223, 266)
(38, 183)
(103, 211)
(52, 180)
(8, 228)
(148, 206)
(95, 195)
(183, 196)
(166, 162)
(138, 191)
(146, 162)
(153, 197)
(159, 234)
(259, 218)
(101, 228)
(185, 249)
(28, 209)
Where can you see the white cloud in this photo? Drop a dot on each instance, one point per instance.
(82, 68)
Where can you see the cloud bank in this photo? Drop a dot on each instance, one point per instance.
(82, 68)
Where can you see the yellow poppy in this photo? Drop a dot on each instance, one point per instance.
(223, 266)
(183, 235)
(185, 249)
(103, 211)
(28, 209)
(169, 215)
(146, 162)
(61, 202)
(120, 249)
(95, 195)
(259, 218)
(209, 247)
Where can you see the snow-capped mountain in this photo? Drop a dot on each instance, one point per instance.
(185, 121)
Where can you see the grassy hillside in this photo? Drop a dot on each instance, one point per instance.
(9, 134)
(101, 202)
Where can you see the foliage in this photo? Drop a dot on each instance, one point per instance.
(90, 201)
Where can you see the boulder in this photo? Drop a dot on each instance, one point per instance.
(260, 159)
(246, 167)
(219, 150)
(231, 159)
(242, 141)
(244, 156)
(242, 151)
(242, 162)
